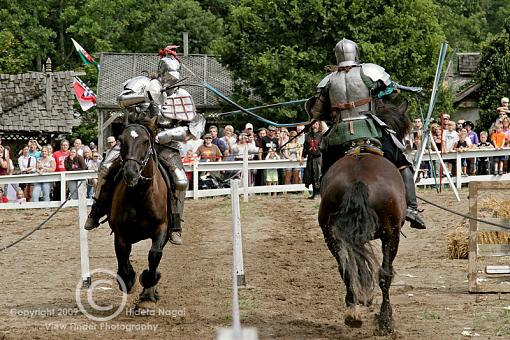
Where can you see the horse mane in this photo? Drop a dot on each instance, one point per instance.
(394, 116)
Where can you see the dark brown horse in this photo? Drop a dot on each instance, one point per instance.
(139, 207)
(363, 198)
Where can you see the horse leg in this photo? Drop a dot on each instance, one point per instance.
(389, 249)
(150, 277)
(125, 271)
(352, 317)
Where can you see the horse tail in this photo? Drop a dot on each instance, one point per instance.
(354, 225)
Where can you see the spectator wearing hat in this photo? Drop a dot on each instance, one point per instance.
(449, 141)
(248, 128)
(503, 111)
(445, 119)
(472, 135)
(208, 152)
(270, 141)
(504, 107)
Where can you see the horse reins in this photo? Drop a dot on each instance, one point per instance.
(148, 155)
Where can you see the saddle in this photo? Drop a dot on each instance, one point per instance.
(364, 146)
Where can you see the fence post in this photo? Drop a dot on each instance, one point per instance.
(195, 180)
(246, 175)
(84, 242)
(62, 187)
(237, 240)
(459, 170)
(236, 332)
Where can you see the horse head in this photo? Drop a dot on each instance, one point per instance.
(394, 116)
(136, 149)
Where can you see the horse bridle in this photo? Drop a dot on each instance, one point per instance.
(148, 155)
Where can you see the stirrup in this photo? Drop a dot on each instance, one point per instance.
(415, 219)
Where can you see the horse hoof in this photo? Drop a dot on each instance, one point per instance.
(353, 322)
(128, 285)
(385, 326)
(384, 331)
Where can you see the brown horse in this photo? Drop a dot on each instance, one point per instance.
(363, 198)
(139, 207)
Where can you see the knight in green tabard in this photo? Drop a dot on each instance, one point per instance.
(346, 99)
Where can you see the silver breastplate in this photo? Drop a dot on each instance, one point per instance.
(349, 95)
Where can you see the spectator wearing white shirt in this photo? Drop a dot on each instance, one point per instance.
(450, 139)
(27, 165)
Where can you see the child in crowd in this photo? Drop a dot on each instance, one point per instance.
(462, 145)
(498, 139)
(189, 160)
(272, 174)
(3, 199)
(483, 163)
(20, 197)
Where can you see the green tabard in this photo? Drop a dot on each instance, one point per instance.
(362, 128)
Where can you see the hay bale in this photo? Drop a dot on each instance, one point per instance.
(458, 243)
(458, 239)
(492, 207)
(493, 237)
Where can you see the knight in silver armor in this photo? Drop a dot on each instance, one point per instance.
(346, 98)
(159, 97)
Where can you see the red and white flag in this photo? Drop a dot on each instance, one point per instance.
(86, 97)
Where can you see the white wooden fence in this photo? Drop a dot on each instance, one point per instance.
(458, 157)
(244, 167)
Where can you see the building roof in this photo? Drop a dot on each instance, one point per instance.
(37, 102)
(116, 68)
(465, 93)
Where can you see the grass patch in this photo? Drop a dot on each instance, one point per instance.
(504, 328)
(429, 315)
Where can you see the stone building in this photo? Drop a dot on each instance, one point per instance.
(36, 105)
(464, 88)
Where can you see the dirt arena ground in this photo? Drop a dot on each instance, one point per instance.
(295, 290)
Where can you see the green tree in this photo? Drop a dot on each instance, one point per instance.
(464, 23)
(493, 74)
(25, 42)
(173, 18)
(281, 48)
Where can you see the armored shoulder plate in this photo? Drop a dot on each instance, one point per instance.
(324, 83)
(136, 84)
(376, 73)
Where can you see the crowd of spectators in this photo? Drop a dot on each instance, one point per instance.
(227, 143)
(34, 158)
(461, 136)
(216, 145)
